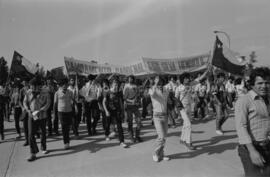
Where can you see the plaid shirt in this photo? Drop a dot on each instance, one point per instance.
(252, 118)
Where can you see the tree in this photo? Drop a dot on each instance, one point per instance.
(3, 71)
(251, 62)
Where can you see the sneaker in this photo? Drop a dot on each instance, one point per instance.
(66, 146)
(165, 158)
(112, 135)
(124, 145)
(32, 158)
(182, 142)
(26, 144)
(190, 146)
(45, 152)
(155, 158)
(219, 132)
(132, 140)
(107, 138)
(19, 136)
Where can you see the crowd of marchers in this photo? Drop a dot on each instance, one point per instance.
(42, 104)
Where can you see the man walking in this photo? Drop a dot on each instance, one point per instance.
(252, 119)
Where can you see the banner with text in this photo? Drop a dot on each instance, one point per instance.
(175, 65)
(85, 68)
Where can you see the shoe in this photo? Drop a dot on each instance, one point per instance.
(182, 142)
(26, 144)
(219, 132)
(32, 158)
(124, 145)
(107, 138)
(45, 152)
(155, 158)
(66, 146)
(165, 158)
(112, 135)
(133, 140)
(138, 139)
(190, 146)
(19, 137)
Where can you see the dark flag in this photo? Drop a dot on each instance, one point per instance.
(58, 73)
(226, 59)
(22, 67)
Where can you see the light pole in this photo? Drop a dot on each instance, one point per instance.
(228, 37)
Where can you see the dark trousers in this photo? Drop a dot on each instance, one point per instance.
(25, 127)
(77, 119)
(117, 117)
(200, 105)
(33, 127)
(251, 169)
(49, 121)
(145, 102)
(92, 112)
(17, 114)
(2, 122)
(222, 115)
(130, 110)
(66, 121)
(7, 111)
(171, 115)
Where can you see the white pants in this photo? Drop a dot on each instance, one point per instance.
(186, 128)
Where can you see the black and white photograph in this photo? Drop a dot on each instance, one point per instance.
(134, 88)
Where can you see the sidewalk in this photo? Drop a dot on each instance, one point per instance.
(95, 157)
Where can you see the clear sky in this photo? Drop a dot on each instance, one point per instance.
(122, 31)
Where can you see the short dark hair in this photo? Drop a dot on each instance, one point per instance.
(132, 77)
(238, 81)
(62, 82)
(262, 72)
(219, 75)
(183, 76)
(91, 77)
(36, 81)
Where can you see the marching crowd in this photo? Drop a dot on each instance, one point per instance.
(41, 104)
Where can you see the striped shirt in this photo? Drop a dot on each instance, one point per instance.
(252, 118)
(63, 100)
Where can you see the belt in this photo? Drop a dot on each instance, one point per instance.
(262, 143)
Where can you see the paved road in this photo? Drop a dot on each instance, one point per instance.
(95, 157)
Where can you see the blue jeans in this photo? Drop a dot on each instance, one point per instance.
(161, 125)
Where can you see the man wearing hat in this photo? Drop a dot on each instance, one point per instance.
(37, 102)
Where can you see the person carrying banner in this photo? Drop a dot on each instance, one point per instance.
(252, 119)
(36, 103)
(131, 104)
(159, 97)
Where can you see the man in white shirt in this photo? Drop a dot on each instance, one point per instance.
(91, 92)
(159, 97)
